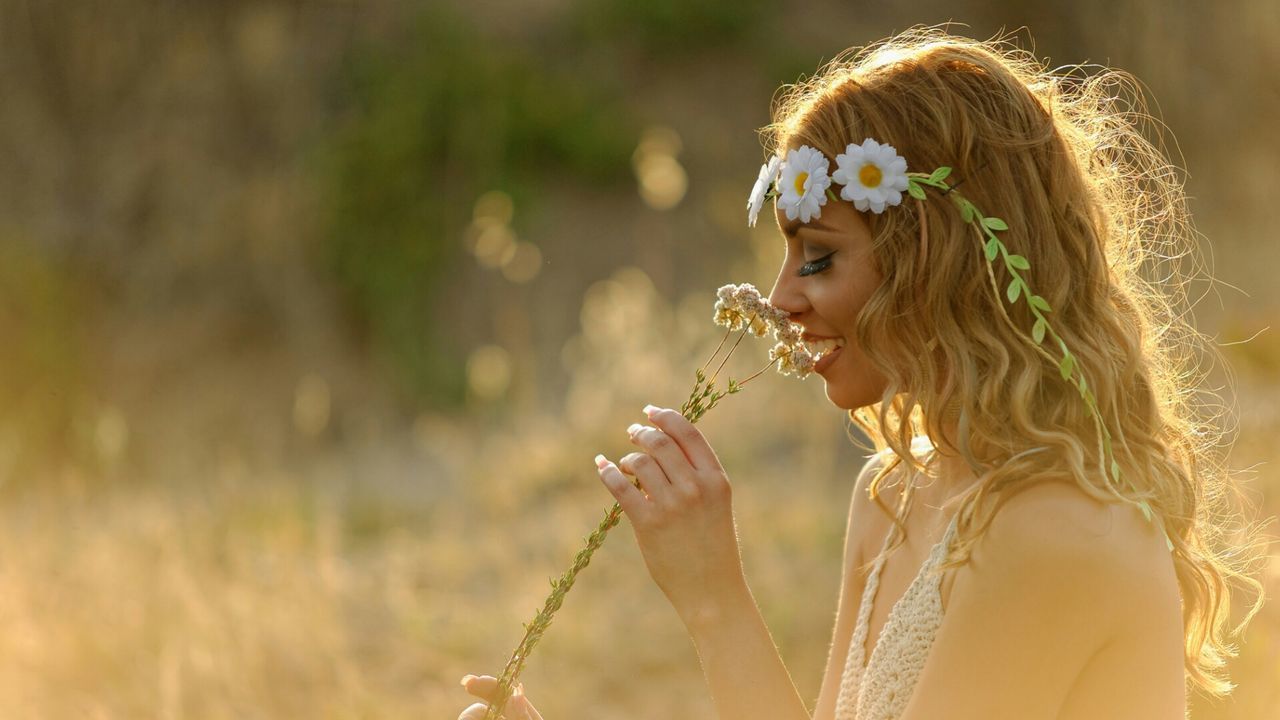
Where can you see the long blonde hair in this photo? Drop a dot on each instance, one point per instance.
(1101, 215)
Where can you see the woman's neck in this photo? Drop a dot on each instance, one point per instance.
(949, 473)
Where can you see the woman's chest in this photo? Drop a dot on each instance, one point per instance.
(901, 582)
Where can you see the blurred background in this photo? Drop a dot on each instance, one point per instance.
(313, 315)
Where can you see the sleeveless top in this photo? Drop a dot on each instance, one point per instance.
(879, 689)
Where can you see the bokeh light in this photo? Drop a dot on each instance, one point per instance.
(663, 181)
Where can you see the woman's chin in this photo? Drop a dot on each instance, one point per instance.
(846, 396)
(839, 394)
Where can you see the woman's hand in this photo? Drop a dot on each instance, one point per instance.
(682, 514)
(485, 687)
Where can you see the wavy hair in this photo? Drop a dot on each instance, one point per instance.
(1101, 214)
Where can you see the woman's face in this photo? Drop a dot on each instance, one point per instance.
(826, 302)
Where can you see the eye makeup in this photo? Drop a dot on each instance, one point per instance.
(816, 266)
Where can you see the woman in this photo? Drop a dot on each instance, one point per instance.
(997, 565)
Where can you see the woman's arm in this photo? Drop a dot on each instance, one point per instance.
(681, 512)
(743, 669)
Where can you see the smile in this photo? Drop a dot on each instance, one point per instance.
(825, 351)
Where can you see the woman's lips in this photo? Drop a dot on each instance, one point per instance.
(825, 361)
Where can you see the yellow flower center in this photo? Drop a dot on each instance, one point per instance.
(800, 180)
(870, 175)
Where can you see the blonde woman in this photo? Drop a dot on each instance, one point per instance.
(1021, 544)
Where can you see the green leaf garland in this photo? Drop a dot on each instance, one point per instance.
(1018, 288)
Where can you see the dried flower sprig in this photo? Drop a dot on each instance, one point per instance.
(741, 309)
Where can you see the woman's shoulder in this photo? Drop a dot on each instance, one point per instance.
(1057, 529)
(1061, 513)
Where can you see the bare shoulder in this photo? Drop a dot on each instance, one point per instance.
(1055, 608)
(1108, 549)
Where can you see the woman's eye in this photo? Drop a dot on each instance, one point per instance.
(816, 266)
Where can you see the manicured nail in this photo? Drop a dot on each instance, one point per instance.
(601, 461)
(634, 428)
(466, 679)
(650, 410)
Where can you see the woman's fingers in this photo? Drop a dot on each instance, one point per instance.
(672, 460)
(484, 687)
(652, 477)
(688, 437)
(633, 502)
(522, 700)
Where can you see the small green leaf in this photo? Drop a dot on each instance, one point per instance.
(1084, 387)
(1039, 303)
(993, 246)
(1066, 365)
(1115, 473)
(1146, 511)
(1037, 332)
(940, 174)
(966, 211)
(995, 223)
(1015, 287)
(915, 190)
(1019, 262)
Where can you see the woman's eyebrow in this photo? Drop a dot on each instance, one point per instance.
(793, 226)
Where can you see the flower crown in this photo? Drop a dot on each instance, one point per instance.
(873, 177)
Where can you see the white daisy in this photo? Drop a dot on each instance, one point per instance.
(873, 175)
(804, 183)
(755, 201)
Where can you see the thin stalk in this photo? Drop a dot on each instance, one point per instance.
(693, 409)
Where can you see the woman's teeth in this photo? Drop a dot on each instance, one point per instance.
(822, 347)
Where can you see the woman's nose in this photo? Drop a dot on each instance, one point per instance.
(787, 296)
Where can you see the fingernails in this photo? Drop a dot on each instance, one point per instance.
(649, 410)
(601, 461)
(634, 428)
(466, 679)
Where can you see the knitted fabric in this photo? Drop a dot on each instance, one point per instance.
(879, 689)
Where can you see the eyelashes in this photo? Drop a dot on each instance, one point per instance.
(816, 266)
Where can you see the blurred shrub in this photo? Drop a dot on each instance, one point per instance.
(41, 371)
(667, 25)
(436, 118)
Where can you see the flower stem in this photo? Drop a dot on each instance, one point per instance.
(693, 409)
(735, 347)
(717, 352)
(759, 372)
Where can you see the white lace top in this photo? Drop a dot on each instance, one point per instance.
(880, 688)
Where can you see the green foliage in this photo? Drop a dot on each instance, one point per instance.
(672, 25)
(991, 248)
(434, 121)
(1014, 288)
